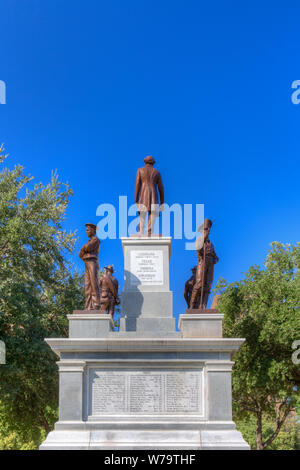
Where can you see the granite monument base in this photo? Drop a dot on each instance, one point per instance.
(118, 392)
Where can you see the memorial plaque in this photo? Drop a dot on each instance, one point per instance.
(146, 392)
(146, 267)
(108, 392)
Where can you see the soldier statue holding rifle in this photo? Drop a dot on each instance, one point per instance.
(207, 258)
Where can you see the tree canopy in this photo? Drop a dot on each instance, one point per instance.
(38, 288)
(264, 308)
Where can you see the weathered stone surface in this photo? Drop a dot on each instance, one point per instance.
(147, 302)
(145, 393)
(163, 439)
(90, 325)
(127, 392)
(138, 250)
(201, 325)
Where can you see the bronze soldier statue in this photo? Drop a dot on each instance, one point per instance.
(89, 254)
(148, 181)
(207, 258)
(188, 288)
(109, 291)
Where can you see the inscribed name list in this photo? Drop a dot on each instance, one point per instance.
(141, 392)
(146, 267)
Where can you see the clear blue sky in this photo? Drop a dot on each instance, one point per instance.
(205, 87)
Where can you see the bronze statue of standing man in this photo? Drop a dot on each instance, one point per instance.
(89, 254)
(148, 185)
(207, 258)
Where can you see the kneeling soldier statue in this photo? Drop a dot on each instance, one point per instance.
(109, 291)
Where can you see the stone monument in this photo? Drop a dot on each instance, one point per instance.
(146, 386)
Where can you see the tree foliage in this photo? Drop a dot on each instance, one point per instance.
(264, 309)
(288, 437)
(38, 288)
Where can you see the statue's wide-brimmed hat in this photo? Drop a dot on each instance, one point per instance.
(207, 223)
(110, 268)
(91, 225)
(149, 159)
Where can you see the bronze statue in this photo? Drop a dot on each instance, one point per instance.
(109, 291)
(207, 258)
(188, 288)
(148, 180)
(89, 254)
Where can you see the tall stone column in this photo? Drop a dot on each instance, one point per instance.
(71, 390)
(147, 302)
(219, 390)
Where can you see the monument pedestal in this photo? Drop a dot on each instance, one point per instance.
(145, 393)
(146, 386)
(84, 324)
(201, 325)
(147, 302)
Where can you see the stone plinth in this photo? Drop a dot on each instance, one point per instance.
(147, 302)
(84, 324)
(198, 311)
(201, 325)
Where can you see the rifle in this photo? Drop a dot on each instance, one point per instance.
(203, 271)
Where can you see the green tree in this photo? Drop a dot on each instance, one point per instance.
(288, 437)
(263, 308)
(38, 288)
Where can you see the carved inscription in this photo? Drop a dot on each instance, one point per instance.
(146, 392)
(146, 267)
(109, 393)
(183, 393)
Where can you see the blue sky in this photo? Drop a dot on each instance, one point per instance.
(205, 87)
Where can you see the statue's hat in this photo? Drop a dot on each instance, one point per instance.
(91, 225)
(207, 223)
(110, 268)
(149, 159)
